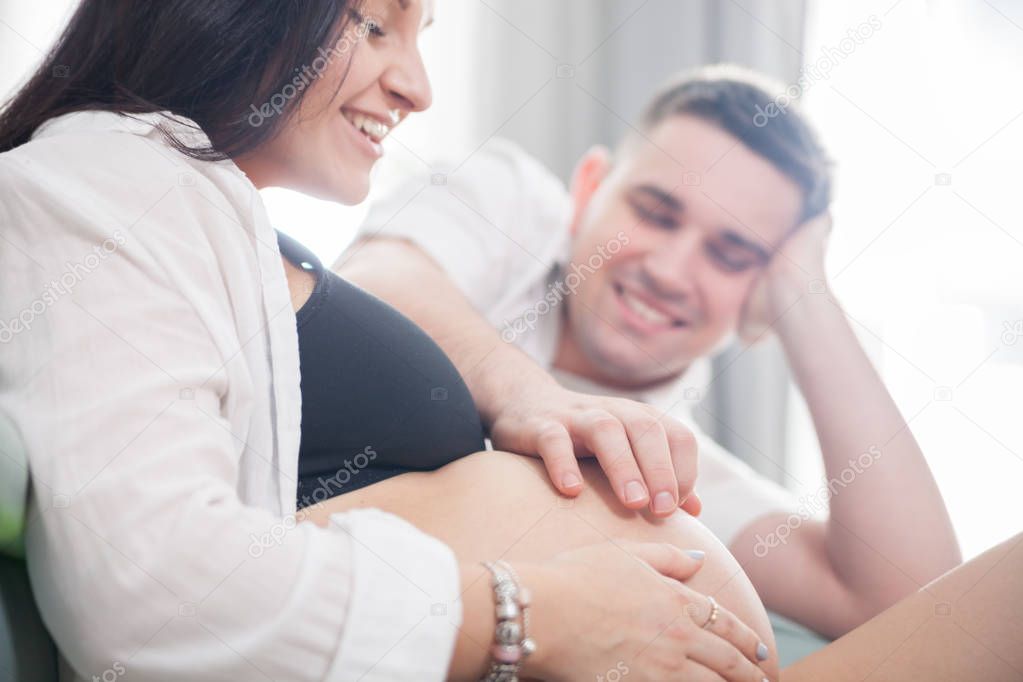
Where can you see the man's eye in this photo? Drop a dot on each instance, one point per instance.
(664, 220)
(731, 260)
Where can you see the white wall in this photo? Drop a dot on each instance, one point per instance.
(926, 121)
(27, 29)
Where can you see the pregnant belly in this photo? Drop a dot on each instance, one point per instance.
(495, 504)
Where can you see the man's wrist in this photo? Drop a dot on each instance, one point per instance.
(504, 380)
(808, 316)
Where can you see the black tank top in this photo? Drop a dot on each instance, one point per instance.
(379, 397)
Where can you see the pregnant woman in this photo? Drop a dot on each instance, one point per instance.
(151, 369)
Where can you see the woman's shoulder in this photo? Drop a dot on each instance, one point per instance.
(106, 168)
(92, 181)
(116, 151)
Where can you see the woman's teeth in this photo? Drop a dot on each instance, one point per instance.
(370, 127)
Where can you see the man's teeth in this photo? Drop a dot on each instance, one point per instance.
(646, 312)
(370, 127)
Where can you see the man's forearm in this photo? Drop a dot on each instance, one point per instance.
(649, 459)
(414, 284)
(889, 531)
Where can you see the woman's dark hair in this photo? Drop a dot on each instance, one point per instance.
(213, 61)
(757, 112)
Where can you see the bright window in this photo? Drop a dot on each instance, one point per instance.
(925, 118)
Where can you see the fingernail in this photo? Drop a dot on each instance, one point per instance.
(762, 652)
(634, 491)
(570, 480)
(698, 554)
(663, 502)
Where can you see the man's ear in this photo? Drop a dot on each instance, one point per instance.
(589, 173)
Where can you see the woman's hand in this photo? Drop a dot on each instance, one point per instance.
(624, 604)
(795, 270)
(649, 458)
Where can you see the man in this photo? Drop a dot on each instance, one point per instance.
(706, 222)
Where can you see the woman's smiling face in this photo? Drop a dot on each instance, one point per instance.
(356, 92)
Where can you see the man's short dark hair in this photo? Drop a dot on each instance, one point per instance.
(760, 114)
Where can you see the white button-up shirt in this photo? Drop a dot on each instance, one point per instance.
(149, 364)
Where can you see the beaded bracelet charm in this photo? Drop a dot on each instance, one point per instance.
(511, 638)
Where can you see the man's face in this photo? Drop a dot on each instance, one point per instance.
(686, 222)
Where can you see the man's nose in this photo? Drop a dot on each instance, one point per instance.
(671, 266)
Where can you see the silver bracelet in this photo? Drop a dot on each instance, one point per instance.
(512, 643)
(525, 600)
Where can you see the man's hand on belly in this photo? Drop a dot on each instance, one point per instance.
(649, 458)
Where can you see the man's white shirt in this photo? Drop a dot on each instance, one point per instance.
(498, 225)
